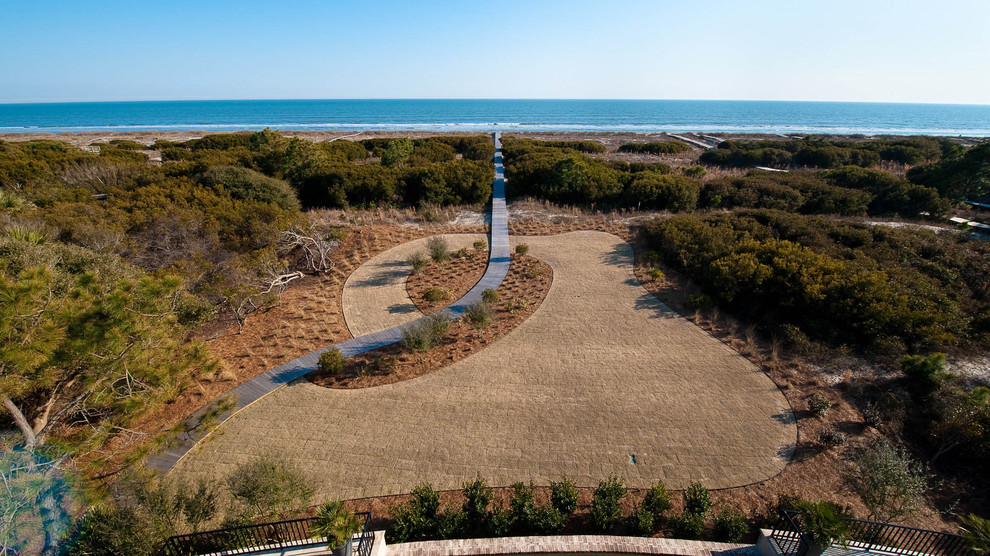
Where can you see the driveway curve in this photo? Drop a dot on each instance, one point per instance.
(375, 296)
(602, 379)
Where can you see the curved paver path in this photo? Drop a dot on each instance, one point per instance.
(375, 296)
(602, 372)
(274, 379)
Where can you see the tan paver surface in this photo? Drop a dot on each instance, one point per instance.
(600, 373)
(374, 296)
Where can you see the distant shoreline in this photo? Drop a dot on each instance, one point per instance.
(81, 139)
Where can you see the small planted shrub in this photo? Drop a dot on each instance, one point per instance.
(477, 498)
(385, 364)
(461, 253)
(729, 525)
(480, 315)
(418, 262)
(490, 296)
(657, 500)
(872, 416)
(439, 250)
(819, 405)
(831, 437)
(435, 294)
(564, 496)
(656, 274)
(606, 511)
(687, 526)
(522, 249)
(641, 521)
(418, 518)
(480, 245)
(549, 521)
(425, 334)
(697, 500)
(452, 524)
(332, 361)
(523, 507)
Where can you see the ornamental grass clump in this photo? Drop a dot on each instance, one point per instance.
(435, 294)
(418, 262)
(480, 315)
(439, 250)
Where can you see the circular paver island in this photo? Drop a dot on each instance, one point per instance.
(602, 379)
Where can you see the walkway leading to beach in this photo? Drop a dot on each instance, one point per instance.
(273, 379)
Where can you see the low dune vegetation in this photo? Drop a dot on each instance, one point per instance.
(843, 184)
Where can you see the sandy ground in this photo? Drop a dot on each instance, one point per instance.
(375, 296)
(602, 379)
(610, 139)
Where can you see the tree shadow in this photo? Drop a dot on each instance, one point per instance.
(620, 255)
(647, 302)
(401, 309)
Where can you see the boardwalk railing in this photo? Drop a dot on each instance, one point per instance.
(248, 539)
(872, 536)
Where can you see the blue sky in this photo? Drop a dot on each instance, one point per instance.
(836, 50)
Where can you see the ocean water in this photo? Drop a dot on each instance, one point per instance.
(504, 115)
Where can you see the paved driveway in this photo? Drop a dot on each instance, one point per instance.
(600, 376)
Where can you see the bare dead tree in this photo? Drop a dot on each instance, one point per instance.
(316, 247)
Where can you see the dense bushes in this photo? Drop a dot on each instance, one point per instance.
(565, 175)
(836, 282)
(962, 175)
(660, 147)
(816, 152)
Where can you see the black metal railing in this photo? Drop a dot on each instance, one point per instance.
(872, 536)
(247, 539)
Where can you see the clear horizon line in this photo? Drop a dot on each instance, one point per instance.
(934, 103)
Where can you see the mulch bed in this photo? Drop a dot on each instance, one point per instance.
(527, 283)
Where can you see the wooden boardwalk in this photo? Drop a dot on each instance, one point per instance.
(273, 379)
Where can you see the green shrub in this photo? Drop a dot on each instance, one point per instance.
(729, 525)
(819, 404)
(335, 523)
(657, 500)
(564, 496)
(439, 250)
(418, 262)
(522, 505)
(549, 520)
(888, 480)
(926, 372)
(656, 274)
(269, 487)
(417, 519)
(658, 147)
(434, 294)
(477, 498)
(697, 500)
(332, 361)
(452, 525)
(831, 437)
(490, 296)
(425, 334)
(641, 521)
(687, 525)
(479, 315)
(480, 245)
(522, 249)
(606, 511)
